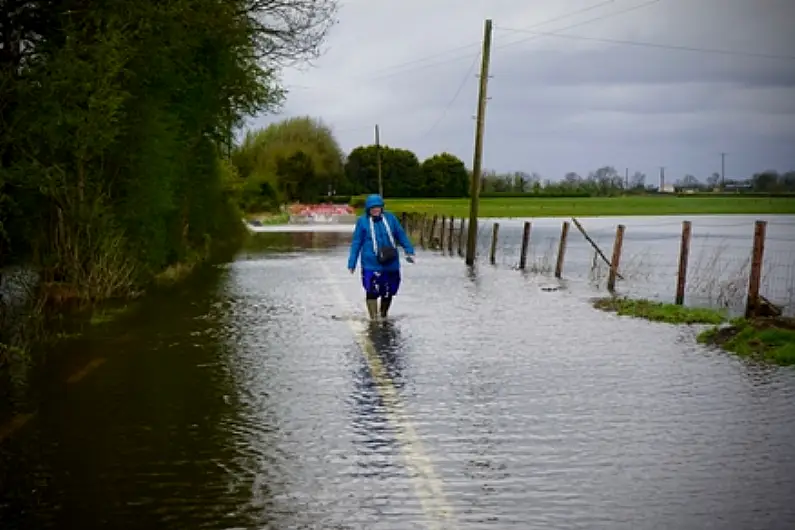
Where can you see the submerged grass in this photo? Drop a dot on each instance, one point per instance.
(104, 315)
(767, 339)
(659, 311)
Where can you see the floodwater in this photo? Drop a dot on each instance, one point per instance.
(257, 397)
(719, 261)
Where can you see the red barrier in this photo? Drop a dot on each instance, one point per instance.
(321, 209)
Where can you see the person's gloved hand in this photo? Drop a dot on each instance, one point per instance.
(410, 258)
(352, 270)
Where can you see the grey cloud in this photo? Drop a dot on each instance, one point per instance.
(561, 104)
(641, 66)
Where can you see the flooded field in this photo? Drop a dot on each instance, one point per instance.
(257, 397)
(718, 265)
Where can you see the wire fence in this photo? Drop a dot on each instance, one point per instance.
(717, 270)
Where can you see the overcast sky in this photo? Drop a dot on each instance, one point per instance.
(562, 103)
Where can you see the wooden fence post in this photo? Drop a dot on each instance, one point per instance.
(525, 244)
(755, 279)
(423, 224)
(441, 234)
(461, 237)
(564, 234)
(495, 230)
(611, 279)
(451, 235)
(433, 231)
(684, 252)
(404, 219)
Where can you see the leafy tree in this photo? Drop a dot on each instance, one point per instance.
(637, 180)
(294, 159)
(116, 118)
(445, 175)
(400, 171)
(766, 181)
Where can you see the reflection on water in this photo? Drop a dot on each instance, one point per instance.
(378, 447)
(242, 400)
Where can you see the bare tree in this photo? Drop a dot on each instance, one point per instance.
(287, 32)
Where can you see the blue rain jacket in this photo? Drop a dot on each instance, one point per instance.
(363, 243)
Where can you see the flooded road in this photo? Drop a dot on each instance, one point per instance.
(257, 397)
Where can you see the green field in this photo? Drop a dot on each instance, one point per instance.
(597, 206)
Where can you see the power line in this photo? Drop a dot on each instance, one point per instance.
(455, 96)
(652, 44)
(571, 26)
(476, 54)
(478, 44)
(542, 23)
(476, 57)
(432, 56)
(584, 22)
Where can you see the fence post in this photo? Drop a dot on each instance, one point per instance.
(684, 252)
(423, 225)
(433, 231)
(451, 235)
(461, 238)
(611, 279)
(755, 278)
(441, 233)
(525, 244)
(564, 233)
(495, 230)
(404, 219)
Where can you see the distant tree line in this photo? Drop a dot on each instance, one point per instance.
(607, 181)
(768, 181)
(298, 159)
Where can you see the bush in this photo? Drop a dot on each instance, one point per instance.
(357, 201)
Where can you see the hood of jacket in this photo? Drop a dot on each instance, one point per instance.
(373, 201)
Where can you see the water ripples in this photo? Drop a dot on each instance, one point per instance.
(249, 404)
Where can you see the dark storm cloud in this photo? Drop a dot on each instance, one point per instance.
(560, 104)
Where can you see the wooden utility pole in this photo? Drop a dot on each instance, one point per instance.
(378, 160)
(723, 171)
(474, 190)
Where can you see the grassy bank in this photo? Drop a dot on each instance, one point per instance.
(597, 206)
(767, 339)
(659, 311)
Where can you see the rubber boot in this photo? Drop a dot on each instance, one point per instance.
(385, 303)
(372, 308)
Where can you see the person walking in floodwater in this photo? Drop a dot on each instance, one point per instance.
(374, 238)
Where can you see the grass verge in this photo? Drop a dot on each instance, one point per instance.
(596, 206)
(659, 311)
(767, 339)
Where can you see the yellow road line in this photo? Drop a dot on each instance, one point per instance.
(427, 484)
(18, 421)
(87, 369)
(13, 425)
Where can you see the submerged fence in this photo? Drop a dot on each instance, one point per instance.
(734, 265)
